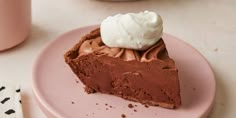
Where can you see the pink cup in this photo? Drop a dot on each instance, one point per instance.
(15, 22)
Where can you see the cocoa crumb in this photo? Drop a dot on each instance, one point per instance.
(135, 110)
(110, 106)
(76, 81)
(130, 106)
(96, 103)
(106, 108)
(146, 105)
(123, 115)
(72, 102)
(106, 104)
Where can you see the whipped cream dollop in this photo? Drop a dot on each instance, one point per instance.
(137, 31)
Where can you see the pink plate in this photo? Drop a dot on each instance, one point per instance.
(59, 95)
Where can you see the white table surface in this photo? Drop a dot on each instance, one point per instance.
(208, 25)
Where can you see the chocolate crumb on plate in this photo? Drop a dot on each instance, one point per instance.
(135, 110)
(96, 103)
(130, 106)
(146, 105)
(123, 115)
(72, 102)
(76, 81)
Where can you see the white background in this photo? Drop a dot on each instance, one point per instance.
(208, 25)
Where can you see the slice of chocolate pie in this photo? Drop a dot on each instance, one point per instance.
(148, 76)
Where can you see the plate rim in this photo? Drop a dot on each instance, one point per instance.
(55, 113)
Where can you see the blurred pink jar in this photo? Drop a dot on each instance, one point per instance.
(15, 22)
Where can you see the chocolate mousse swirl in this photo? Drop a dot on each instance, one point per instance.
(92, 43)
